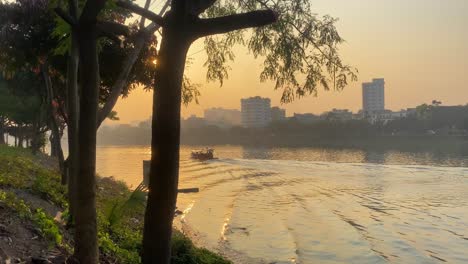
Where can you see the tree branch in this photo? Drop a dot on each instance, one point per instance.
(65, 16)
(221, 25)
(142, 12)
(73, 8)
(91, 10)
(142, 21)
(127, 66)
(200, 6)
(110, 36)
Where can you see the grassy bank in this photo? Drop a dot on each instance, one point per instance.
(32, 198)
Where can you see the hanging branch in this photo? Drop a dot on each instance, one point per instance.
(221, 25)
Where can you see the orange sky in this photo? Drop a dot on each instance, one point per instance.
(420, 47)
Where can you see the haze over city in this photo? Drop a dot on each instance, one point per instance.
(418, 46)
(114, 147)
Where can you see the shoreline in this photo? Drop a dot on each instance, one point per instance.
(423, 142)
(33, 200)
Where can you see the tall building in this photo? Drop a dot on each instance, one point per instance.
(223, 117)
(278, 114)
(373, 97)
(256, 111)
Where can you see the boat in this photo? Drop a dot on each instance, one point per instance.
(206, 154)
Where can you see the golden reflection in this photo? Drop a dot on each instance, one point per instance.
(223, 230)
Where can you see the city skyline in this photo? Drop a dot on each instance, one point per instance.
(421, 53)
(288, 114)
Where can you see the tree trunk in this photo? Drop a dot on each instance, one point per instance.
(56, 146)
(35, 140)
(2, 131)
(86, 246)
(20, 135)
(73, 111)
(164, 172)
(53, 150)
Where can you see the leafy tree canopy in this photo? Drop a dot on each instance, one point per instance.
(300, 51)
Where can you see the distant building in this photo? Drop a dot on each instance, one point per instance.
(223, 117)
(306, 118)
(193, 122)
(278, 114)
(386, 116)
(255, 111)
(373, 97)
(338, 114)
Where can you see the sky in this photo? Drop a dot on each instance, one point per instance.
(420, 47)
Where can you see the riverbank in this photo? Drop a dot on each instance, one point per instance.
(378, 143)
(33, 216)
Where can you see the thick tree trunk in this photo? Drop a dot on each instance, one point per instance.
(86, 246)
(164, 172)
(73, 117)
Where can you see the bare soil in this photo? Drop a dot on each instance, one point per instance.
(20, 242)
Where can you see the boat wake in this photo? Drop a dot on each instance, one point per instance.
(264, 211)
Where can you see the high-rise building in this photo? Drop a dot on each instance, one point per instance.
(278, 114)
(256, 111)
(373, 97)
(223, 117)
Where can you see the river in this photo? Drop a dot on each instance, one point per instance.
(312, 205)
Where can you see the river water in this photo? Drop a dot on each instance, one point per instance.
(311, 205)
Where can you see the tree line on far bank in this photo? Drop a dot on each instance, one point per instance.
(427, 120)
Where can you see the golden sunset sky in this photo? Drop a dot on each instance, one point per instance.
(420, 47)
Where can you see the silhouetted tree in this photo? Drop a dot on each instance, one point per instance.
(97, 98)
(299, 45)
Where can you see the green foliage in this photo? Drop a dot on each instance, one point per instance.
(50, 187)
(184, 252)
(113, 116)
(16, 204)
(11, 152)
(46, 225)
(300, 51)
(18, 170)
(120, 211)
(110, 248)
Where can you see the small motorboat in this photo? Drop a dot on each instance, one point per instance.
(206, 154)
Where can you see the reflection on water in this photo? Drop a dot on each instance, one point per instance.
(317, 205)
(454, 159)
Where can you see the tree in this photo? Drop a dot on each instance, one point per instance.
(299, 46)
(86, 27)
(22, 109)
(26, 47)
(131, 59)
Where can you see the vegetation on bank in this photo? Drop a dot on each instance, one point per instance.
(412, 131)
(120, 211)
